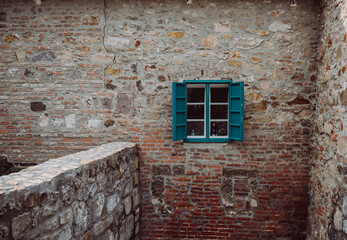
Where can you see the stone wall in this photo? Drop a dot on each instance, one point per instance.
(77, 74)
(88, 195)
(328, 193)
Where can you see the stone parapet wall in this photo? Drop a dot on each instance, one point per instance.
(88, 195)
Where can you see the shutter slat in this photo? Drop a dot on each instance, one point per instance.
(179, 111)
(236, 111)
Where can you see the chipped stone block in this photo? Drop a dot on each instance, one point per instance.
(279, 26)
(210, 41)
(109, 236)
(117, 43)
(66, 233)
(123, 103)
(161, 170)
(4, 232)
(127, 205)
(157, 186)
(50, 224)
(94, 124)
(175, 34)
(103, 58)
(66, 216)
(20, 224)
(21, 56)
(136, 197)
(31, 200)
(151, 114)
(344, 206)
(342, 145)
(103, 225)
(109, 123)
(127, 228)
(112, 202)
(45, 56)
(97, 204)
(11, 37)
(80, 218)
(338, 219)
(234, 63)
(37, 106)
(222, 27)
(91, 20)
(68, 194)
(112, 71)
(70, 121)
(247, 43)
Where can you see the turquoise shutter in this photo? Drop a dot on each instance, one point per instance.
(179, 111)
(236, 108)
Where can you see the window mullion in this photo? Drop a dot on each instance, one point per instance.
(207, 111)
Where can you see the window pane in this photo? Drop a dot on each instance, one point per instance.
(219, 111)
(219, 95)
(196, 111)
(196, 95)
(195, 128)
(219, 128)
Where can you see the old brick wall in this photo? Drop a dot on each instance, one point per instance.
(328, 191)
(78, 74)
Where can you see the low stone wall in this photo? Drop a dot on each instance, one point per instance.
(92, 194)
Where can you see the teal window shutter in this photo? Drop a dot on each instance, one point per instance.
(236, 109)
(179, 111)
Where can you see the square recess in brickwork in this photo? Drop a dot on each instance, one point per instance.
(238, 191)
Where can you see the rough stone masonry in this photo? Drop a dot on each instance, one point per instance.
(78, 74)
(92, 194)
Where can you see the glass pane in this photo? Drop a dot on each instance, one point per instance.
(195, 128)
(219, 128)
(196, 95)
(219, 95)
(196, 111)
(219, 111)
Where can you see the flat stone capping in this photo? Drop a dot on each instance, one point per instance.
(90, 194)
(46, 171)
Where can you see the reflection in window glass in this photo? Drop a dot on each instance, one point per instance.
(196, 111)
(219, 95)
(195, 128)
(196, 95)
(219, 111)
(218, 128)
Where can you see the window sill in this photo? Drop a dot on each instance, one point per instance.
(207, 140)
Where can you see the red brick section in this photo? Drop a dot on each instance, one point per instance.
(194, 200)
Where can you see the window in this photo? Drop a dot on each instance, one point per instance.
(208, 111)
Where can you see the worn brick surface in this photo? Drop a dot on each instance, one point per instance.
(104, 69)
